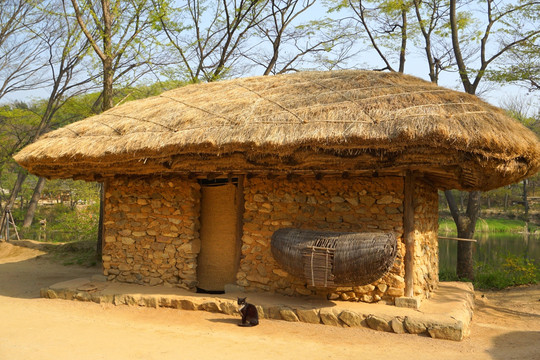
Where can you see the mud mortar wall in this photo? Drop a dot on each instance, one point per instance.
(152, 231)
(426, 251)
(335, 204)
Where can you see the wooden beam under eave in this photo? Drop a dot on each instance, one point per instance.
(408, 231)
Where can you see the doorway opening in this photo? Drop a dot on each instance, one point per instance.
(220, 234)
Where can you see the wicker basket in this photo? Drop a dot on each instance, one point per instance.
(330, 259)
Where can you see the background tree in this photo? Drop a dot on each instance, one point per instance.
(525, 68)
(115, 30)
(120, 26)
(431, 16)
(20, 48)
(208, 37)
(385, 25)
(65, 51)
(284, 41)
(499, 23)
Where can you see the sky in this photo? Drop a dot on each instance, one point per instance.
(416, 65)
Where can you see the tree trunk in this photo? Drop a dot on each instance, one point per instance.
(526, 205)
(33, 203)
(465, 224)
(403, 50)
(21, 176)
(108, 75)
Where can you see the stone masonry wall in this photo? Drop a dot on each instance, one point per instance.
(426, 251)
(337, 204)
(152, 231)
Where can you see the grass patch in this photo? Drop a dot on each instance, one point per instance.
(514, 271)
(488, 225)
(81, 253)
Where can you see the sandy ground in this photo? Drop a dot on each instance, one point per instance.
(506, 326)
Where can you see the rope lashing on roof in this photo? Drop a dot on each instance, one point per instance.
(201, 109)
(434, 105)
(303, 121)
(110, 127)
(143, 120)
(345, 97)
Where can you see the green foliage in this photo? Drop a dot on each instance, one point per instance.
(64, 222)
(447, 225)
(515, 270)
(521, 270)
(81, 253)
(17, 124)
(489, 277)
(82, 222)
(448, 275)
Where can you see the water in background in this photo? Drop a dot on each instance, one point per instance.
(491, 248)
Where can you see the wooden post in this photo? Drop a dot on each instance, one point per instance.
(408, 232)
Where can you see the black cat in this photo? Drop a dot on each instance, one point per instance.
(250, 315)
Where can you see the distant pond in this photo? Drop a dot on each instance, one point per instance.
(491, 248)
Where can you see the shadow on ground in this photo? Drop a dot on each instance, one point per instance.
(226, 321)
(24, 271)
(512, 345)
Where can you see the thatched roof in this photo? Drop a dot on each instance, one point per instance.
(354, 121)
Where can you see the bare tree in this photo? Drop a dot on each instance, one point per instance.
(114, 29)
(20, 48)
(501, 21)
(207, 37)
(66, 50)
(293, 42)
(32, 205)
(501, 26)
(386, 26)
(119, 26)
(432, 16)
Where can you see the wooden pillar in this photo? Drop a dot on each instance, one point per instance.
(408, 232)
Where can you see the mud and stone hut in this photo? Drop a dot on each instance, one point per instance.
(199, 179)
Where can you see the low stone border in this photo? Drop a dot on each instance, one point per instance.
(450, 327)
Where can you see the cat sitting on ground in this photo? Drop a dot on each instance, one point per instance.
(250, 315)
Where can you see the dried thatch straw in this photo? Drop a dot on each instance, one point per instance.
(331, 121)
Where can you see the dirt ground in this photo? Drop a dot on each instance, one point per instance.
(506, 326)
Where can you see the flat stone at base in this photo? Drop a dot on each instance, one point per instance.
(351, 318)
(288, 315)
(449, 325)
(397, 326)
(408, 302)
(328, 317)
(378, 323)
(309, 315)
(447, 331)
(415, 326)
(228, 308)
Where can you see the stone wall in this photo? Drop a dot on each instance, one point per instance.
(426, 251)
(152, 231)
(337, 204)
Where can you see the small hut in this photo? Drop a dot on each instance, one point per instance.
(300, 184)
